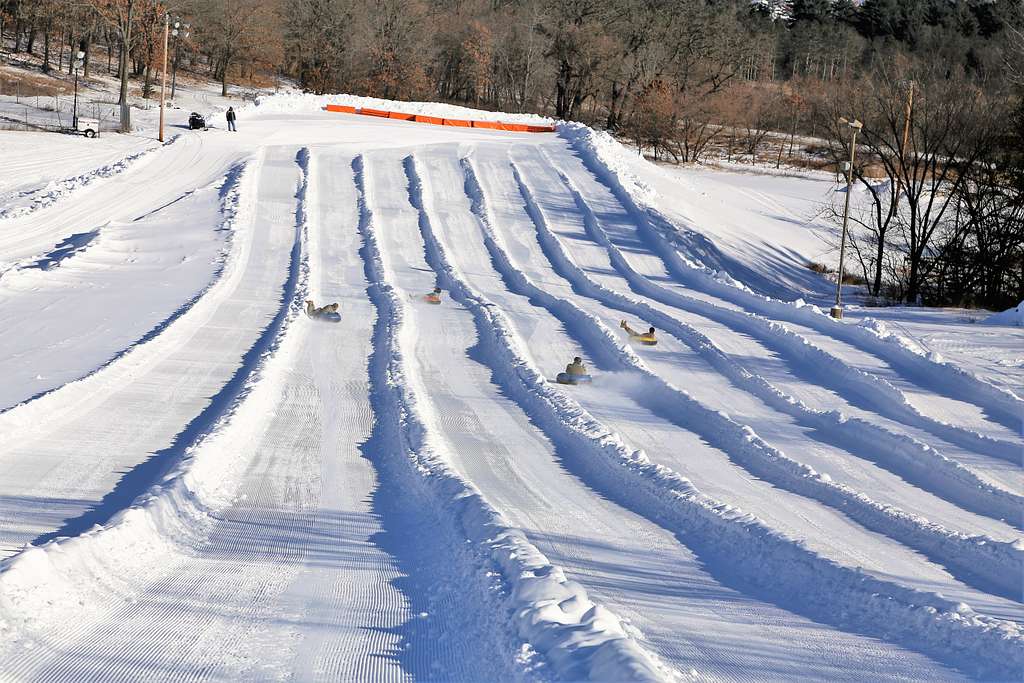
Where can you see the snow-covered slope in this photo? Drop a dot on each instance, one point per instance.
(199, 481)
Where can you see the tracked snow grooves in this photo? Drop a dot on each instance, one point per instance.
(552, 613)
(165, 175)
(998, 564)
(902, 454)
(56, 293)
(141, 402)
(148, 617)
(845, 596)
(936, 375)
(56, 190)
(344, 611)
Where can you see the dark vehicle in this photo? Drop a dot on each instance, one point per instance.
(196, 120)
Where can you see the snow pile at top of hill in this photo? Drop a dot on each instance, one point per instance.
(299, 102)
(1013, 317)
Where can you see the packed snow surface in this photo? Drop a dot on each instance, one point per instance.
(198, 480)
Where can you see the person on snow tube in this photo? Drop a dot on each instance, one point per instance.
(575, 373)
(647, 338)
(434, 297)
(330, 311)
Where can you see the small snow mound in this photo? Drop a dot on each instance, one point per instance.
(1011, 317)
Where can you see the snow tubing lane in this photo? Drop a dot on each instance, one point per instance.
(541, 594)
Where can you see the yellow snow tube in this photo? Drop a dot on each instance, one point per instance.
(432, 298)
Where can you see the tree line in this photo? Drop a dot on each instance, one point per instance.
(125, 37)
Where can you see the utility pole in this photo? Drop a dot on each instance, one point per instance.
(163, 75)
(855, 125)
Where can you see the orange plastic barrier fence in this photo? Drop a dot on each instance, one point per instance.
(435, 120)
(438, 121)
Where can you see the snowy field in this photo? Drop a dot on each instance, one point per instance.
(200, 482)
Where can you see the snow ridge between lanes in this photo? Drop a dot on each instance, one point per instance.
(171, 517)
(598, 152)
(1000, 564)
(928, 622)
(579, 638)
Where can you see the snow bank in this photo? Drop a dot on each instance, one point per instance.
(1012, 317)
(90, 575)
(609, 161)
(305, 102)
(829, 591)
(581, 639)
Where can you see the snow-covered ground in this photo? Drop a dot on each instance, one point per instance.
(199, 481)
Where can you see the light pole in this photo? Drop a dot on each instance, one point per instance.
(179, 32)
(79, 60)
(855, 126)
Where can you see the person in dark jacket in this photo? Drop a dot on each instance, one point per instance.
(231, 119)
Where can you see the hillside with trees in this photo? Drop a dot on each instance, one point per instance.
(937, 84)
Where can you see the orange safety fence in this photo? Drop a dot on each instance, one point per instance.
(434, 120)
(438, 121)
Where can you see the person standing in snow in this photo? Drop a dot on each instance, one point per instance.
(231, 119)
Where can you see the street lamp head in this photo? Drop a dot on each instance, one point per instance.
(855, 124)
(177, 24)
(80, 54)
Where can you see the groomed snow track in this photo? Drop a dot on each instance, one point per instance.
(231, 490)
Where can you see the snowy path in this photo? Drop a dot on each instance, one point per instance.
(77, 455)
(158, 178)
(407, 496)
(110, 289)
